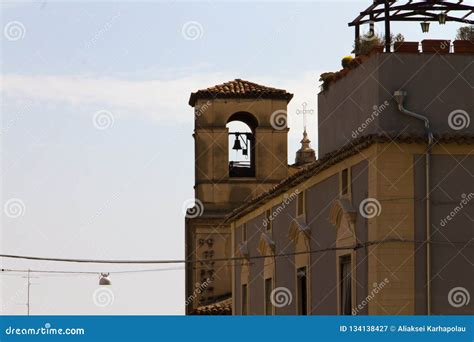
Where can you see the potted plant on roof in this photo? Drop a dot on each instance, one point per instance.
(369, 43)
(464, 42)
(400, 45)
(346, 61)
(326, 78)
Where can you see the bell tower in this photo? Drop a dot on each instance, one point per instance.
(240, 145)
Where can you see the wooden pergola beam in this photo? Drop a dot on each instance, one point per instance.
(375, 13)
(387, 11)
(413, 17)
(445, 6)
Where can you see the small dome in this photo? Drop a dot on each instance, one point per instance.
(305, 154)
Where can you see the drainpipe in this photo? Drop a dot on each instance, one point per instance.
(399, 97)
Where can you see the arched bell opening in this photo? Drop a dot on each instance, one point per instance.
(241, 126)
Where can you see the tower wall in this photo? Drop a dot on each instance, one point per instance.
(219, 193)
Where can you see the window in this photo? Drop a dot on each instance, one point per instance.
(268, 215)
(268, 294)
(244, 232)
(345, 182)
(300, 204)
(302, 287)
(345, 286)
(244, 299)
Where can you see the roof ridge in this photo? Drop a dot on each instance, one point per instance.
(239, 88)
(334, 157)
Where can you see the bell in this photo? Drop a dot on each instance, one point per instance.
(245, 152)
(237, 145)
(425, 26)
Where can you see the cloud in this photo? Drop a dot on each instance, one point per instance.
(156, 100)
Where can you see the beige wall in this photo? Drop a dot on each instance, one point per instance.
(214, 187)
(390, 179)
(219, 193)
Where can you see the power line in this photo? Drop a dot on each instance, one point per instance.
(243, 258)
(63, 272)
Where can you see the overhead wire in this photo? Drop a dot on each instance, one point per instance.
(207, 261)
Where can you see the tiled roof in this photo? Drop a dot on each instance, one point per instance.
(224, 307)
(240, 89)
(332, 158)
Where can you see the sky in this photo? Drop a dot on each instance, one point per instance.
(96, 141)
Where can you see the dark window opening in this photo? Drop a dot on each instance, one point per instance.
(302, 291)
(345, 182)
(241, 140)
(244, 299)
(345, 286)
(268, 294)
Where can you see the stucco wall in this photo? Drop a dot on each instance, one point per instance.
(285, 266)
(218, 193)
(452, 263)
(394, 175)
(323, 235)
(255, 286)
(359, 175)
(436, 86)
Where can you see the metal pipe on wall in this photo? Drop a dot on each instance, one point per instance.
(399, 97)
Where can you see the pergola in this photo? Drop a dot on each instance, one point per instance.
(409, 10)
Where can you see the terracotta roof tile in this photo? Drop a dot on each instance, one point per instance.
(332, 158)
(240, 89)
(224, 307)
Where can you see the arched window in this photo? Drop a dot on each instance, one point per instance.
(241, 128)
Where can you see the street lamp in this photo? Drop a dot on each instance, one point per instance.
(425, 26)
(442, 18)
(104, 279)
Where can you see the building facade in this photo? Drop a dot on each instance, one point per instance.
(222, 184)
(383, 222)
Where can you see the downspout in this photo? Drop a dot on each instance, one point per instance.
(399, 97)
